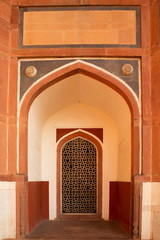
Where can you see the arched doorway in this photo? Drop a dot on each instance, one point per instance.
(79, 177)
(90, 74)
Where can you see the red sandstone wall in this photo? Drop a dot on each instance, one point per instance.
(38, 203)
(156, 117)
(120, 204)
(4, 65)
(155, 84)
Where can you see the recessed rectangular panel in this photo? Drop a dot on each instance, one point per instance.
(79, 26)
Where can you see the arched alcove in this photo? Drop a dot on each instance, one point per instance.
(72, 98)
(85, 104)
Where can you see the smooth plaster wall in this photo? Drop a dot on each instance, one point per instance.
(7, 210)
(35, 124)
(79, 101)
(75, 116)
(124, 146)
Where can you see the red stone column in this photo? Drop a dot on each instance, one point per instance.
(12, 116)
(146, 117)
(155, 83)
(4, 82)
(156, 118)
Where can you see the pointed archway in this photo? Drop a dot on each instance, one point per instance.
(96, 74)
(83, 169)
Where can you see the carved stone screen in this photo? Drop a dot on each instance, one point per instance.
(79, 177)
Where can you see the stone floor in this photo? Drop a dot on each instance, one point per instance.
(78, 230)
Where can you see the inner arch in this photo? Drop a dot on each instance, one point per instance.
(79, 101)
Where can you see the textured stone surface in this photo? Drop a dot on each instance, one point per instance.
(4, 69)
(80, 230)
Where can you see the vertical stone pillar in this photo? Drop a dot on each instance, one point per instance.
(4, 82)
(21, 201)
(7, 127)
(137, 207)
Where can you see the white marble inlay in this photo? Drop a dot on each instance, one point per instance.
(7, 210)
(146, 211)
(151, 211)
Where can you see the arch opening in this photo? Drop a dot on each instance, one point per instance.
(79, 176)
(79, 101)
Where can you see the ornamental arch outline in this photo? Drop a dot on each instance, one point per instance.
(97, 74)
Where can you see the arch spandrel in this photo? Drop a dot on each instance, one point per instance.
(85, 68)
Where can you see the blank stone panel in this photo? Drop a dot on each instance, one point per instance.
(79, 27)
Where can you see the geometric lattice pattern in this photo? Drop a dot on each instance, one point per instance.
(79, 177)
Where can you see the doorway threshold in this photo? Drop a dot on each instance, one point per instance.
(78, 230)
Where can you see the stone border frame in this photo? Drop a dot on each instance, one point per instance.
(73, 8)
